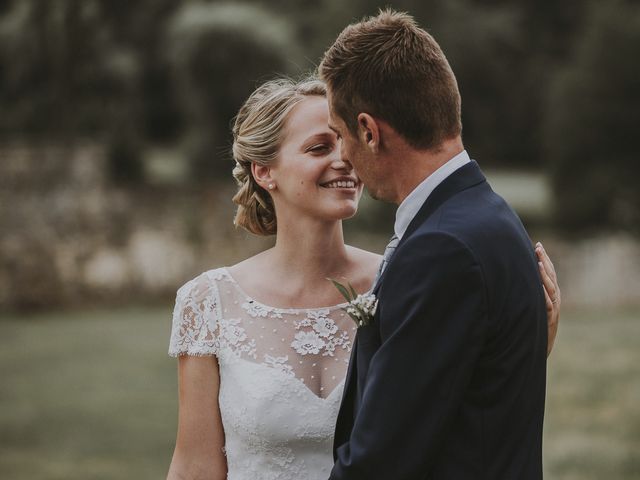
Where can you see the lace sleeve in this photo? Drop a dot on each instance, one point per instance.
(195, 319)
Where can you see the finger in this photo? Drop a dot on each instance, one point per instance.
(552, 324)
(555, 290)
(550, 271)
(549, 304)
(544, 257)
(546, 261)
(547, 277)
(547, 282)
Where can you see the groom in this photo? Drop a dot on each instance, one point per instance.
(448, 381)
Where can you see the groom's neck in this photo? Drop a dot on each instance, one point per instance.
(417, 165)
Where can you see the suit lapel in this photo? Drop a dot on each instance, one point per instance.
(465, 177)
(351, 368)
(344, 422)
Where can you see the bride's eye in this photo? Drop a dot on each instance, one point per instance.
(319, 149)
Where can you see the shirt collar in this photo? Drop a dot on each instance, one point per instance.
(412, 203)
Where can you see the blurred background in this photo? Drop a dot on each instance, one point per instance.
(115, 189)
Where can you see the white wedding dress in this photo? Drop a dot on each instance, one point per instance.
(281, 375)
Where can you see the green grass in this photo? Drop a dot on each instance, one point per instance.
(87, 396)
(93, 396)
(592, 427)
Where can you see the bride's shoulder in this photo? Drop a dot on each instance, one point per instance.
(203, 283)
(366, 263)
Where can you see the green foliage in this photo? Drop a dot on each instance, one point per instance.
(591, 126)
(60, 74)
(124, 159)
(488, 61)
(539, 79)
(219, 53)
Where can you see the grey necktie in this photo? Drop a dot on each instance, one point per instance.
(388, 252)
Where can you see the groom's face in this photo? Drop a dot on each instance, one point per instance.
(355, 151)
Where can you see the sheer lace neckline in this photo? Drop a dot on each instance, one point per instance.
(249, 298)
(213, 316)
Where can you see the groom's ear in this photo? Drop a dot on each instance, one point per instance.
(369, 131)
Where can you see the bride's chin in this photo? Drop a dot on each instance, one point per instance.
(348, 212)
(339, 215)
(336, 211)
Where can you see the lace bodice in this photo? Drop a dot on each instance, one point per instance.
(281, 375)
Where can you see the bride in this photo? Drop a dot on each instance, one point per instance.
(263, 346)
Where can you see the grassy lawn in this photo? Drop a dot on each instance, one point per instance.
(87, 396)
(592, 427)
(93, 396)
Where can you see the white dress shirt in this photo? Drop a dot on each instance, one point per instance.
(411, 205)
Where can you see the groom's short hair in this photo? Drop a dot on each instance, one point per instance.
(391, 68)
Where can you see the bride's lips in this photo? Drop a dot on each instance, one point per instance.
(342, 183)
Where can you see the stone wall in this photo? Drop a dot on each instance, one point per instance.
(70, 238)
(599, 272)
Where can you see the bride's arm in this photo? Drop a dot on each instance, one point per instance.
(551, 293)
(199, 445)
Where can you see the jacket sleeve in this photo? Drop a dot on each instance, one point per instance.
(432, 320)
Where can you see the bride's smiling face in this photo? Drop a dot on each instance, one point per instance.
(310, 176)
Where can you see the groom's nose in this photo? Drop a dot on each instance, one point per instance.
(339, 161)
(341, 164)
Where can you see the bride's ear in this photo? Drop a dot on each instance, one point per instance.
(263, 177)
(369, 132)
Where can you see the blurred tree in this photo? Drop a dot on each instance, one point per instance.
(88, 68)
(124, 157)
(66, 77)
(168, 71)
(548, 30)
(591, 124)
(5, 5)
(141, 26)
(484, 46)
(219, 52)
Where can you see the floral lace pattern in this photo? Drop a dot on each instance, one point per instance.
(213, 314)
(322, 338)
(281, 375)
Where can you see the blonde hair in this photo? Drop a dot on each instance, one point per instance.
(391, 68)
(258, 131)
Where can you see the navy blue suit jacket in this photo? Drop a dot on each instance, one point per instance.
(448, 382)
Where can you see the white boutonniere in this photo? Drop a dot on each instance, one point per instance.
(361, 307)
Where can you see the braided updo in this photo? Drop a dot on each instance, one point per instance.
(257, 136)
